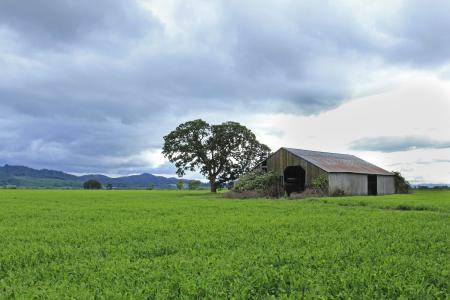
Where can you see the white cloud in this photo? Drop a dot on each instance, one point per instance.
(419, 106)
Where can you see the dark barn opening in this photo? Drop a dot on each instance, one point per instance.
(294, 179)
(371, 184)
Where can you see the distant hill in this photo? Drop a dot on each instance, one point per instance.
(431, 186)
(21, 176)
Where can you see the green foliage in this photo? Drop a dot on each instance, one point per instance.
(320, 184)
(265, 183)
(401, 185)
(109, 186)
(81, 244)
(220, 152)
(194, 184)
(180, 184)
(92, 185)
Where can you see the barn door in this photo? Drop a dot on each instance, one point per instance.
(371, 184)
(294, 179)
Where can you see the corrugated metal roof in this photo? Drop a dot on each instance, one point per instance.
(338, 163)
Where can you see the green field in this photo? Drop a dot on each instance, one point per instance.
(170, 244)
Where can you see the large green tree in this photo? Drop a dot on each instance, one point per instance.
(220, 152)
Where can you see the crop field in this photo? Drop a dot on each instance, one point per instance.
(180, 244)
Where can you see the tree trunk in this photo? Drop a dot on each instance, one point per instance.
(213, 186)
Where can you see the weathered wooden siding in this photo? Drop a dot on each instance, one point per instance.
(385, 185)
(282, 159)
(351, 184)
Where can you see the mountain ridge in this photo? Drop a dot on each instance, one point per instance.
(23, 176)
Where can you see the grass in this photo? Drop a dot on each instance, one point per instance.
(169, 244)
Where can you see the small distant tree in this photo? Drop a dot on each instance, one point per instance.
(180, 184)
(92, 185)
(109, 186)
(402, 186)
(151, 186)
(220, 152)
(194, 184)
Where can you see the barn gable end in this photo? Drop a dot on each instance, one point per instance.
(283, 158)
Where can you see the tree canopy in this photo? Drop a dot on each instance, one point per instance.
(180, 184)
(194, 184)
(220, 152)
(92, 185)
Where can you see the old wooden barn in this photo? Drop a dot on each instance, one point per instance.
(346, 173)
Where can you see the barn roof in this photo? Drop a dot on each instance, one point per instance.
(338, 163)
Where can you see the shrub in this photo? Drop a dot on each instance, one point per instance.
(264, 183)
(401, 185)
(320, 185)
(92, 185)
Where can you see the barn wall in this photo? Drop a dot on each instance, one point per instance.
(385, 185)
(351, 184)
(282, 159)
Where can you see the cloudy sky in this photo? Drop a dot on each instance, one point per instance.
(94, 86)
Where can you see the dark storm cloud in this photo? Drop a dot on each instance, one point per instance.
(398, 143)
(420, 33)
(52, 24)
(91, 85)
